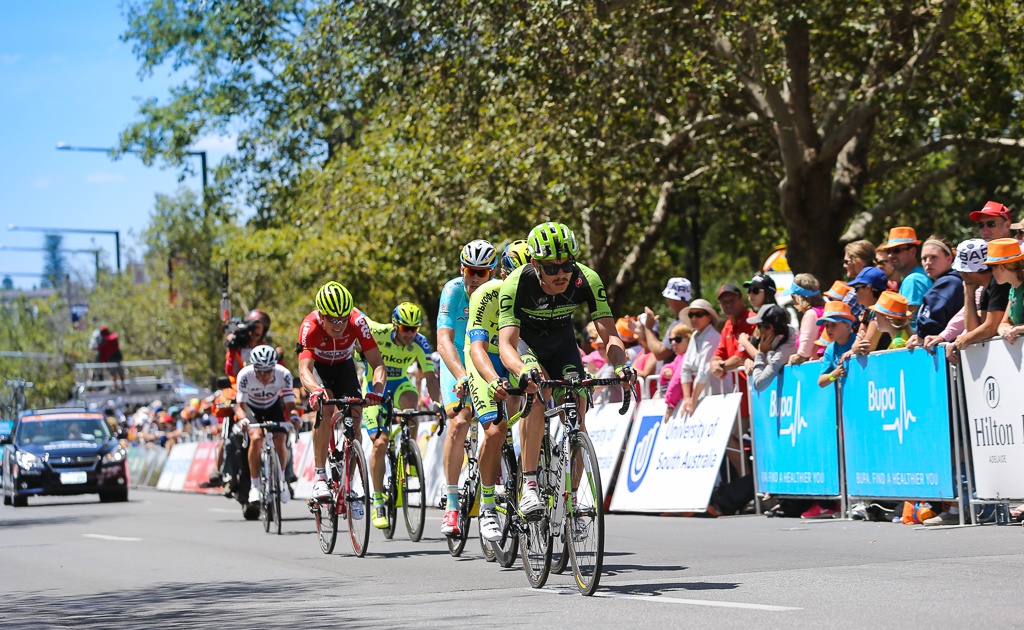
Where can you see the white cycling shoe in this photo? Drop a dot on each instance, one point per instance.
(321, 491)
(489, 527)
(530, 502)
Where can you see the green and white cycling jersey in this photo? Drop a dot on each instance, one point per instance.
(523, 303)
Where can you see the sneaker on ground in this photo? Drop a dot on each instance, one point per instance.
(817, 511)
(450, 523)
(254, 495)
(859, 512)
(321, 491)
(489, 527)
(943, 518)
(529, 502)
(357, 510)
(380, 516)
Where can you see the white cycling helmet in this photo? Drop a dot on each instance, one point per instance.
(479, 253)
(263, 357)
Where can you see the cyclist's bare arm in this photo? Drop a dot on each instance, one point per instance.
(450, 356)
(606, 330)
(433, 387)
(376, 363)
(307, 378)
(478, 354)
(508, 349)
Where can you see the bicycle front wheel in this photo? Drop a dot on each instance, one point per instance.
(414, 491)
(357, 499)
(466, 498)
(275, 490)
(266, 506)
(326, 512)
(505, 504)
(585, 516)
(391, 482)
(535, 545)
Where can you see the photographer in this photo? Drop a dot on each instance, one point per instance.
(242, 337)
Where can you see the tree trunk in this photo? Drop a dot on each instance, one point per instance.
(814, 224)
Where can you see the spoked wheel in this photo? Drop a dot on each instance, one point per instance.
(585, 517)
(485, 546)
(466, 497)
(506, 549)
(391, 495)
(266, 501)
(325, 513)
(535, 545)
(357, 500)
(413, 492)
(275, 485)
(560, 553)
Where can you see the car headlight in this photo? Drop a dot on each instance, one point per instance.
(28, 461)
(115, 456)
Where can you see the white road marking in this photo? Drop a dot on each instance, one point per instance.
(115, 538)
(673, 600)
(223, 510)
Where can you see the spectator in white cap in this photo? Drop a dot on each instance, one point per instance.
(678, 293)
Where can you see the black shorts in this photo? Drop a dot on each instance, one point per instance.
(558, 355)
(340, 379)
(273, 413)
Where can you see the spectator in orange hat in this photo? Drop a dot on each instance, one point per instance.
(838, 322)
(809, 302)
(904, 249)
(892, 315)
(1007, 263)
(625, 330)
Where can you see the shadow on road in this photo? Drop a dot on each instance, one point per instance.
(617, 569)
(667, 588)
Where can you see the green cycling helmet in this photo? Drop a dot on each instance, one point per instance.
(407, 314)
(334, 300)
(516, 254)
(552, 240)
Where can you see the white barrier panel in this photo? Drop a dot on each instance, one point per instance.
(176, 467)
(991, 374)
(672, 466)
(608, 431)
(432, 450)
(302, 464)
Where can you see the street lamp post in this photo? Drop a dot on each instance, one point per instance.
(116, 233)
(63, 146)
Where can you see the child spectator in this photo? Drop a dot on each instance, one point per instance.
(894, 315)
(869, 284)
(777, 343)
(838, 292)
(858, 255)
(810, 304)
(671, 374)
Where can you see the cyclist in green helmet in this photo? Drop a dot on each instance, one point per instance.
(536, 304)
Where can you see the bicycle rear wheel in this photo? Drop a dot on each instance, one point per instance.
(326, 512)
(414, 491)
(266, 505)
(357, 496)
(391, 494)
(535, 545)
(560, 558)
(585, 516)
(506, 549)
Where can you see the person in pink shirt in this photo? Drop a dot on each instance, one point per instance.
(809, 302)
(671, 374)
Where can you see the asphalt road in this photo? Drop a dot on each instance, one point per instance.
(185, 561)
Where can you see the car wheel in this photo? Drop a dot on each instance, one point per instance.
(19, 501)
(114, 496)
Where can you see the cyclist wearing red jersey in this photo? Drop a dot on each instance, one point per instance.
(327, 338)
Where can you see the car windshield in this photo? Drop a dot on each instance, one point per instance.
(45, 431)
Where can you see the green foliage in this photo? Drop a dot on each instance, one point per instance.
(41, 326)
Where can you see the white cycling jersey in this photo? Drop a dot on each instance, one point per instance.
(259, 396)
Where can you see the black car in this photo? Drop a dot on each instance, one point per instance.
(63, 452)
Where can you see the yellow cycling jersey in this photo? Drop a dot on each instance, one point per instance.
(483, 316)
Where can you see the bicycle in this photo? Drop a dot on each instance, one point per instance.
(348, 480)
(405, 486)
(506, 491)
(574, 514)
(270, 476)
(467, 493)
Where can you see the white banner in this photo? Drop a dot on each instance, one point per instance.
(176, 467)
(302, 465)
(991, 372)
(672, 466)
(608, 431)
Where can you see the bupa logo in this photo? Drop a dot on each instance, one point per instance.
(883, 399)
(643, 449)
(991, 392)
(788, 408)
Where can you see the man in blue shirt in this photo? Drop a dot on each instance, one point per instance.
(903, 249)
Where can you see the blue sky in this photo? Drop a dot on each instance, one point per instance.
(65, 76)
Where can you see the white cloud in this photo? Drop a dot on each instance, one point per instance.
(8, 60)
(46, 181)
(104, 178)
(220, 144)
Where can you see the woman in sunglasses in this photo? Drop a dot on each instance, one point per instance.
(777, 343)
(671, 375)
(695, 375)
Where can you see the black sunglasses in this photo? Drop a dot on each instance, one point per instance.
(677, 339)
(899, 250)
(988, 224)
(754, 291)
(696, 314)
(553, 268)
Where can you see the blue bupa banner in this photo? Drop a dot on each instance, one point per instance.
(795, 434)
(896, 426)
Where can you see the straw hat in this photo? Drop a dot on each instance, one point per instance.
(700, 304)
(891, 304)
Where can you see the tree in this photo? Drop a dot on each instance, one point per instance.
(55, 264)
(8, 283)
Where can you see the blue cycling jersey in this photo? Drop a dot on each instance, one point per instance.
(453, 312)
